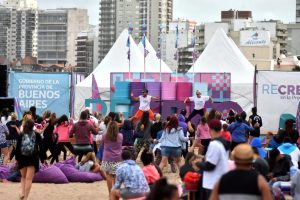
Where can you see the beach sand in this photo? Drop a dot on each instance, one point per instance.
(70, 191)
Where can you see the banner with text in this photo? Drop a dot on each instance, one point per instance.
(255, 38)
(277, 93)
(44, 91)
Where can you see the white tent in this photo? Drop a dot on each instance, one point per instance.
(222, 55)
(152, 60)
(116, 60)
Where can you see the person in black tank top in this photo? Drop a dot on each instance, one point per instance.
(243, 182)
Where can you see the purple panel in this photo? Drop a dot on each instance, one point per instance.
(136, 88)
(184, 90)
(167, 107)
(168, 91)
(154, 89)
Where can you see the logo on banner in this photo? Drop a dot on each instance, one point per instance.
(289, 92)
(255, 40)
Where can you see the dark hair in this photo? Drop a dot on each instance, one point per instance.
(5, 112)
(147, 157)
(145, 90)
(183, 112)
(255, 150)
(173, 123)
(126, 155)
(162, 190)
(203, 120)
(83, 115)
(287, 140)
(273, 154)
(243, 115)
(32, 110)
(254, 110)
(107, 119)
(145, 119)
(231, 113)
(28, 126)
(225, 126)
(62, 119)
(211, 115)
(289, 126)
(39, 120)
(238, 118)
(189, 156)
(168, 118)
(133, 154)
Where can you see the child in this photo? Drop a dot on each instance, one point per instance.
(203, 137)
(225, 133)
(152, 172)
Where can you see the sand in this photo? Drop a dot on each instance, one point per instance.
(70, 191)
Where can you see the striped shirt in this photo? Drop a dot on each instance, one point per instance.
(3, 133)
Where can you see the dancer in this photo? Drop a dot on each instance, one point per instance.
(145, 101)
(199, 104)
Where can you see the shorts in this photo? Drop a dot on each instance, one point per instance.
(127, 194)
(171, 151)
(3, 145)
(110, 167)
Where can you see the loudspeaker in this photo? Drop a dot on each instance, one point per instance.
(7, 103)
(3, 80)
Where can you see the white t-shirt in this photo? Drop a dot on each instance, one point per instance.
(199, 102)
(217, 155)
(145, 102)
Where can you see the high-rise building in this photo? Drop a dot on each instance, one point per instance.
(18, 32)
(117, 15)
(293, 43)
(21, 4)
(57, 33)
(227, 16)
(85, 52)
(298, 11)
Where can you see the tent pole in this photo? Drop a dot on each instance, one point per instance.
(144, 63)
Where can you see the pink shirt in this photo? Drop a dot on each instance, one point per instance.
(151, 173)
(203, 132)
(63, 132)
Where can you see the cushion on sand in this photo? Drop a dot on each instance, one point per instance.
(75, 175)
(51, 174)
(4, 172)
(70, 161)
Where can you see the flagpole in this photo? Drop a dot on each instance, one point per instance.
(129, 64)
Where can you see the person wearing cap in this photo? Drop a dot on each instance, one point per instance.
(145, 101)
(256, 142)
(199, 102)
(216, 158)
(243, 182)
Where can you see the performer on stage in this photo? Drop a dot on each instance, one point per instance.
(199, 102)
(145, 101)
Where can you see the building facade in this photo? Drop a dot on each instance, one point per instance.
(57, 33)
(18, 33)
(293, 43)
(142, 15)
(85, 52)
(297, 11)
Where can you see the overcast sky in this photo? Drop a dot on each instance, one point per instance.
(199, 10)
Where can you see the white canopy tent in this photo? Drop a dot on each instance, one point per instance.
(222, 55)
(152, 60)
(116, 60)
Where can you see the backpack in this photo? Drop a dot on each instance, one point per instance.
(28, 144)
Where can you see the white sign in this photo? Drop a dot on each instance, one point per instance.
(277, 93)
(255, 38)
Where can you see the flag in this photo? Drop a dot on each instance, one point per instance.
(144, 41)
(128, 42)
(194, 38)
(95, 92)
(195, 55)
(158, 54)
(128, 45)
(177, 37)
(95, 89)
(130, 29)
(146, 52)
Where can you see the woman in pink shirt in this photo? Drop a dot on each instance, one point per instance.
(62, 130)
(203, 136)
(152, 172)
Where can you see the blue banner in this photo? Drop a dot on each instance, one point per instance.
(44, 91)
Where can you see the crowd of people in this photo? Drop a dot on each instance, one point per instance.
(224, 157)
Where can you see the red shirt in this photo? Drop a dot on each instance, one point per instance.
(226, 135)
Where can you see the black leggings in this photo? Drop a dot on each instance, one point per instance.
(60, 147)
(194, 113)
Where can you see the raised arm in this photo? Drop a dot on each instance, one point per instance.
(133, 98)
(155, 98)
(186, 100)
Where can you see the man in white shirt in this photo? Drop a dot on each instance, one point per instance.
(145, 101)
(199, 102)
(216, 158)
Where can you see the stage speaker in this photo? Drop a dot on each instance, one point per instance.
(3, 80)
(7, 103)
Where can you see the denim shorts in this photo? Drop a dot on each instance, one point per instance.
(3, 145)
(171, 151)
